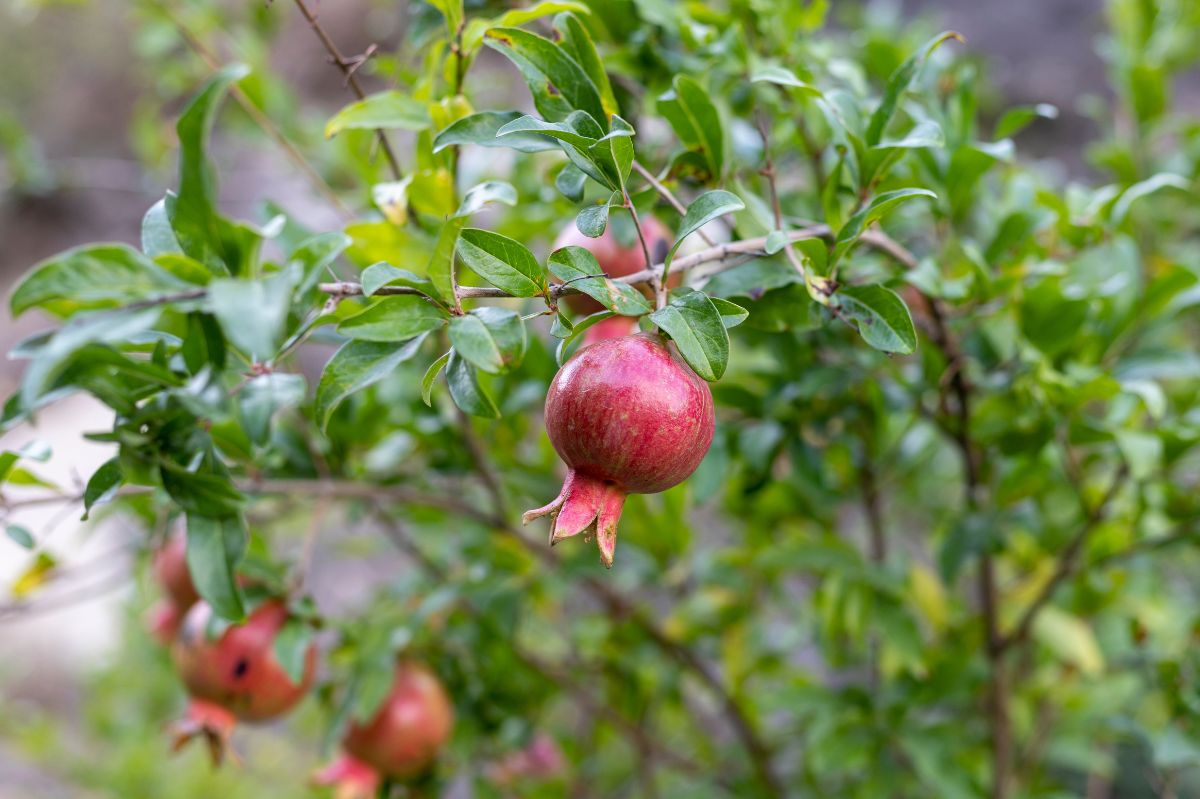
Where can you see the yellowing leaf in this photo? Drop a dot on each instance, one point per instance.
(1070, 638)
(928, 595)
(37, 574)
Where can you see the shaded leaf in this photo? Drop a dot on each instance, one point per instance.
(882, 317)
(355, 366)
(694, 323)
(215, 546)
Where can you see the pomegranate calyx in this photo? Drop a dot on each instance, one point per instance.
(585, 505)
(211, 722)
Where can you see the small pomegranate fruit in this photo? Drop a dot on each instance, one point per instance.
(235, 676)
(403, 738)
(164, 620)
(615, 260)
(627, 416)
(541, 760)
(171, 572)
(350, 778)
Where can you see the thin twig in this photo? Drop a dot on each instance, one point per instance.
(670, 197)
(349, 68)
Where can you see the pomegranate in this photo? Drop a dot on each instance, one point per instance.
(627, 416)
(615, 260)
(235, 675)
(403, 738)
(541, 760)
(351, 778)
(171, 572)
(164, 620)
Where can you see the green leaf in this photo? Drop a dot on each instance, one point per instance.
(430, 376)
(452, 11)
(291, 647)
(694, 323)
(465, 389)
(264, 396)
(253, 313)
(394, 319)
(573, 38)
(898, 83)
(1069, 638)
(570, 181)
(732, 314)
(558, 84)
(215, 546)
(579, 268)
(102, 485)
(704, 209)
(579, 136)
(157, 236)
(313, 255)
(203, 343)
(882, 317)
(90, 277)
(100, 327)
(493, 339)
(505, 263)
(383, 110)
(1163, 180)
(20, 536)
(205, 492)
(619, 150)
(782, 76)
(481, 128)
(694, 117)
(592, 220)
(200, 231)
(879, 205)
(483, 194)
(476, 28)
(1017, 119)
(355, 366)
(376, 276)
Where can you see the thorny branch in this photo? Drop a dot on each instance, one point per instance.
(349, 67)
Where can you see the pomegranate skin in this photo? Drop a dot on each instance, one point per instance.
(171, 572)
(630, 412)
(615, 260)
(349, 778)
(628, 416)
(404, 737)
(239, 671)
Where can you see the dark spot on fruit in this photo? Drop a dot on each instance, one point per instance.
(661, 248)
(240, 668)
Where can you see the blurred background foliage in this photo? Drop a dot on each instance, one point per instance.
(822, 563)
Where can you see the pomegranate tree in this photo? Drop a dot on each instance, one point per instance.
(403, 738)
(234, 676)
(627, 416)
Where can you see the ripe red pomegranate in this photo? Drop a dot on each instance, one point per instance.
(171, 572)
(615, 260)
(235, 675)
(627, 416)
(403, 738)
(350, 778)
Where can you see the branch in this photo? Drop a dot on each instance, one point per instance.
(348, 68)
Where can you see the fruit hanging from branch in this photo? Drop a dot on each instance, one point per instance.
(236, 675)
(402, 740)
(627, 416)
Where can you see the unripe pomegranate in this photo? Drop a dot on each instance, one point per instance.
(615, 260)
(351, 778)
(403, 738)
(171, 572)
(236, 673)
(627, 416)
